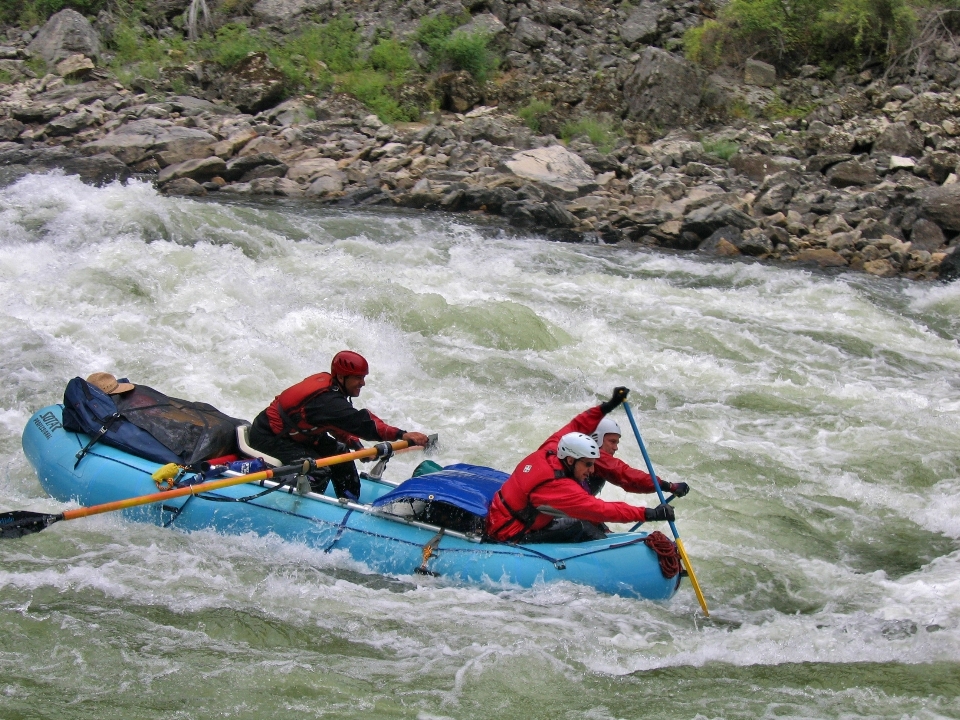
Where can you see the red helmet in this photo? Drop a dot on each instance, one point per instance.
(347, 362)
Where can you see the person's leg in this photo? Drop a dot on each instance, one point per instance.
(563, 530)
(346, 480)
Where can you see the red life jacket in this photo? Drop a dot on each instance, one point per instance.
(511, 511)
(286, 412)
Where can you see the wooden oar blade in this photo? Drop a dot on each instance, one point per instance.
(18, 523)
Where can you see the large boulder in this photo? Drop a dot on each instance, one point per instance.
(663, 89)
(459, 92)
(704, 221)
(641, 25)
(556, 168)
(282, 11)
(66, 33)
(901, 140)
(941, 205)
(161, 139)
(253, 84)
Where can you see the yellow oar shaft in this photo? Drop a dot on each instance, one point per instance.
(217, 484)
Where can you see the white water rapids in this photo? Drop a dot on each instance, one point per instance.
(815, 418)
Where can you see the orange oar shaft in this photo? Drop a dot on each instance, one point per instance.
(226, 482)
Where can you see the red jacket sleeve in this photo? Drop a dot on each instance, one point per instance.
(386, 432)
(586, 422)
(567, 496)
(619, 473)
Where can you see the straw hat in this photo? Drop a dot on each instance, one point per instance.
(108, 383)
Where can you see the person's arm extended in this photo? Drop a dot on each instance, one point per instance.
(569, 498)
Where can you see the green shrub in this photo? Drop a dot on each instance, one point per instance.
(470, 52)
(231, 44)
(601, 133)
(36, 12)
(5, 77)
(433, 32)
(790, 33)
(533, 113)
(371, 88)
(723, 149)
(392, 56)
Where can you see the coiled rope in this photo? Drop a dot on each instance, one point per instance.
(666, 552)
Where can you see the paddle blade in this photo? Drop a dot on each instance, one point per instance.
(692, 576)
(18, 523)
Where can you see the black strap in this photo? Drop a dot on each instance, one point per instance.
(96, 438)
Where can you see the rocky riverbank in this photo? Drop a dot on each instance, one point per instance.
(865, 182)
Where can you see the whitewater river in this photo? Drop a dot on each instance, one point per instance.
(814, 417)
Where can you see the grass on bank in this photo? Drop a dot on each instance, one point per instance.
(602, 134)
(829, 33)
(323, 56)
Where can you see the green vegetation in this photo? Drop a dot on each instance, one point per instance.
(5, 77)
(459, 50)
(35, 12)
(533, 113)
(787, 34)
(601, 133)
(723, 149)
(777, 109)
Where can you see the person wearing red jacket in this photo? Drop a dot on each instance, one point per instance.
(315, 419)
(547, 498)
(606, 434)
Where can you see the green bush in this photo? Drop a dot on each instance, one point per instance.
(723, 149)
(532, 113)
(791, 33)
(371, 88)
(231, 44)
(601, 133)
(433, 32)
(392, 56)
(470, 52)
(36, 12)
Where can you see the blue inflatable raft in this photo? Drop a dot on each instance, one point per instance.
(374, 530)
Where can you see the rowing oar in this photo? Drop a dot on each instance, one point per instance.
(18, 523)
(673, 527)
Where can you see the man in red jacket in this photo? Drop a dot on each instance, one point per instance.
(553, 481)
(315, 419)
(609, 469)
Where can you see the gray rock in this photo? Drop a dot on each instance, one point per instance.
(950, 267)
(899, 139)
(64, 34)
(325, 185)
(70, 123)
(940, 205)
(727, 234)
(556, 168)
(276, 186)
(483, 23)
(824, 161)
(142, 139)
(201, 169)
(559, 15)
(706, 220)
(185, 187)
(253, 84)
(238, 167)
(99, 169)
(282, 11)
(775, 199)
(75, 66)
(530, 33)
(664, 89)
(927, 235)
(641, 25)
(758, 167)
(759, 73)
(852, 173)
(459, 91)
(10, 129)
(937, 165)
(754, 242)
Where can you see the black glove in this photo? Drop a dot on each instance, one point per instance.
(679, 489)
(619, 395)
(384, 450)
(660, 512)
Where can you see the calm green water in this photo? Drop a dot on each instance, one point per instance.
(814, 417)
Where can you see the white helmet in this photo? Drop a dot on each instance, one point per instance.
(577, 445)
(606, 426)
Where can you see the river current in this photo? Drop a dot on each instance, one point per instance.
(815, 418)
